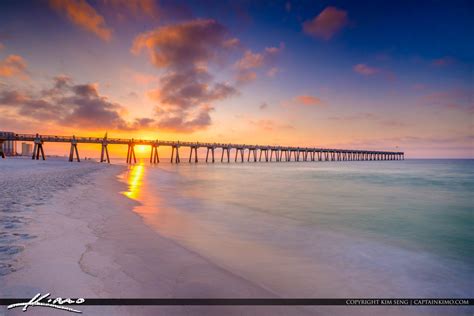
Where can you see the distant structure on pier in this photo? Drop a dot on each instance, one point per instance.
(267, 153)
(26, 149)
(8, 147)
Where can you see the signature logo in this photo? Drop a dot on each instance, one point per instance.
(45, 301)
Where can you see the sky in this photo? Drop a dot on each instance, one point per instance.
(382, 75)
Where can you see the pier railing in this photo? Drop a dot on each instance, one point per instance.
(254, 152)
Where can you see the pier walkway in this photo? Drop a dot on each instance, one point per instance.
(241, 152)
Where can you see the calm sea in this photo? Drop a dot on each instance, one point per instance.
(377, 228)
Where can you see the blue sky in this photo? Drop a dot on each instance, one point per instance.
(362, 74)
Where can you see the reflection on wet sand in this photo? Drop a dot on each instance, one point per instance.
(134, 178)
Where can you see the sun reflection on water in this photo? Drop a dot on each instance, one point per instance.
(134, 180)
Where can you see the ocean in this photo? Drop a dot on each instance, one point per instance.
(321, 229)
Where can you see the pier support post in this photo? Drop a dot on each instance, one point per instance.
(176, 158)
(241, 154)
(74, 150)
(193, 149)
(227, 151)
(131, 153)
(2, 154)
(38, 149)
(154, 157)
(211, 149)
(104, 150)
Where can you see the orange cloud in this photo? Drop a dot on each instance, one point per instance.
(136, 7)
(246, 76)
(365, 70)
(308, 100)
(144, 79)
(330, 21)
(2, 46)
(84, 15)
(251, 60)
(13, 65)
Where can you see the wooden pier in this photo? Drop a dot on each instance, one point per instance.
(254, 152)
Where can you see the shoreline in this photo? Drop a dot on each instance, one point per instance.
(109, 250)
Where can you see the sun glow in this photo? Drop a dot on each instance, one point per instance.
(142, 148)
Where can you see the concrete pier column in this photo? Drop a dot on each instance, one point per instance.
(73, 150)
(104, 154)
(38, 148)
(131, 153)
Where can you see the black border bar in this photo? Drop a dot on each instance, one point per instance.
(262, 301)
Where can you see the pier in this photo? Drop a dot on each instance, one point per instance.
(253, 153)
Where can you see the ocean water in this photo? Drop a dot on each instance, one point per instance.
(321, 229)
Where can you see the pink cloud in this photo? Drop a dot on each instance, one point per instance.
(143, 79)
(246, 76)
(330, 21)
(136, 7)
(251, 61)
(365, 70)
(84, 15)
(13, 65)
(308, 100)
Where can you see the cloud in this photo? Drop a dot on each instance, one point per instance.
(365, 70)
(250, 61)
(186, 89)
(272, 72)
(307, 100)
(263, 106)
(65, 104)
(231, 43)
(84, 15)
(183, 45)
(13, 65)
(1, 46)
(136, 7)
(185, 122)
(143, 78)
(330, 21)
(246, 76)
